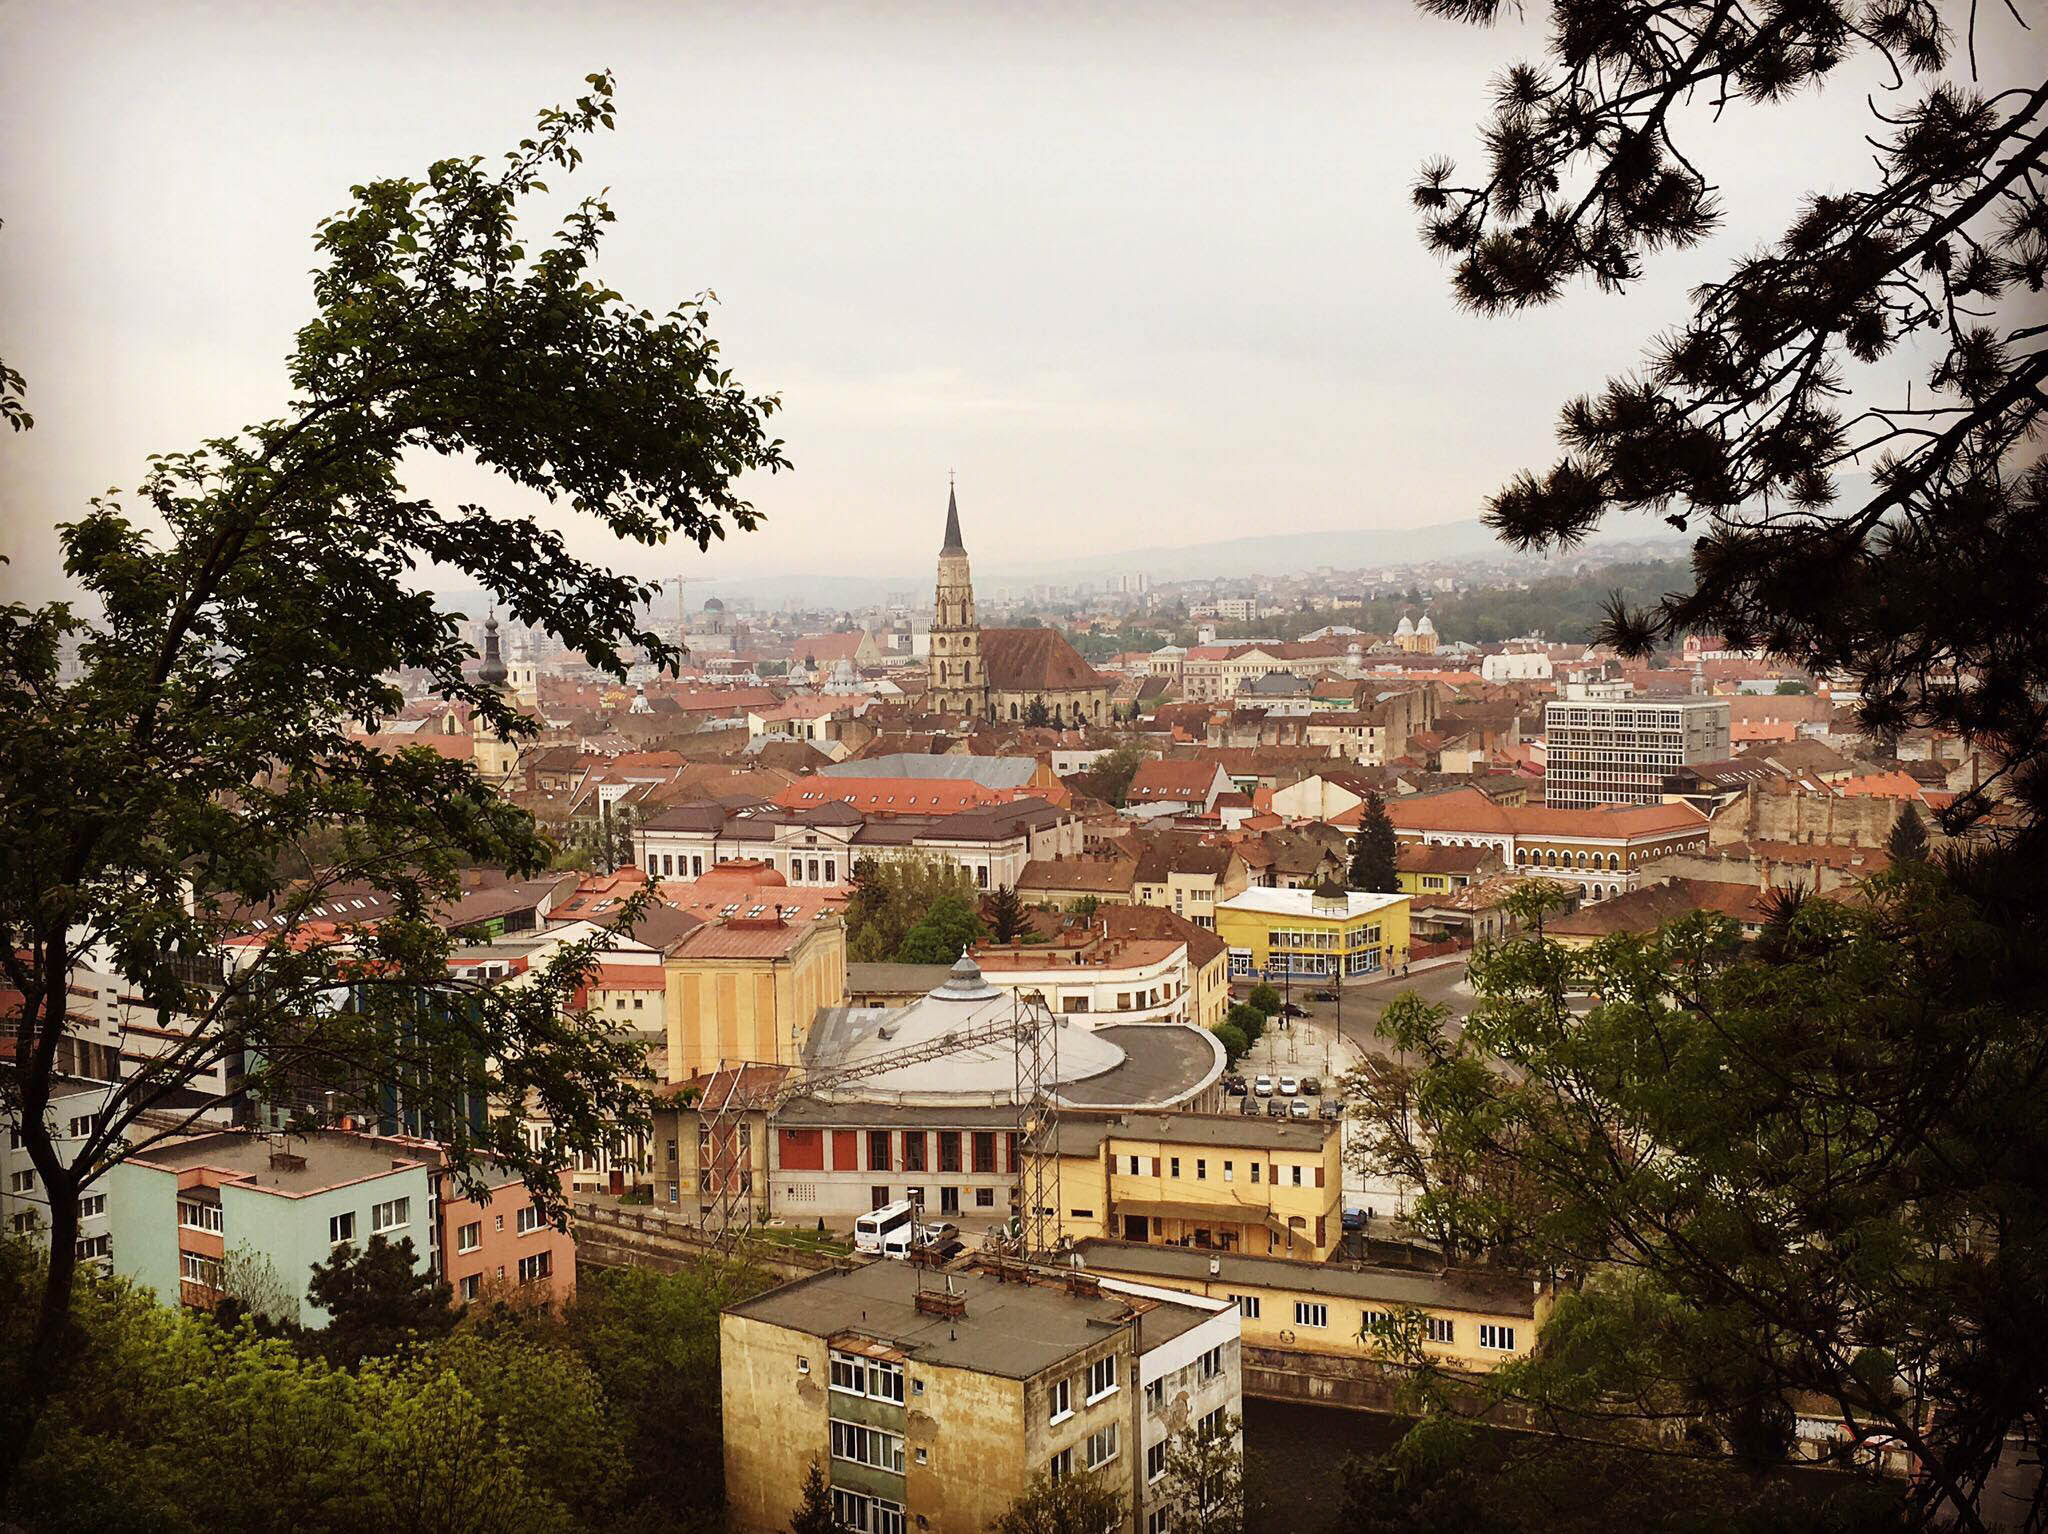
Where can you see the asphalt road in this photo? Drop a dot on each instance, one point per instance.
(1358, 1014)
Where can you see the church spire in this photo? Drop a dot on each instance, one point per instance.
(492, 672)
(953, 545)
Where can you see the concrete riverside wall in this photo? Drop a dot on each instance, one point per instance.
(1318, 1379)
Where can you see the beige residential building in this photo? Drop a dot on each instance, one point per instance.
(745, 990)
(1223, 1182)
(931, 1400)
(1187, 876)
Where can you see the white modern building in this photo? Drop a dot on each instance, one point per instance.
(1620, 750)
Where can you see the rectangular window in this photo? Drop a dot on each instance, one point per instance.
(1155, 1461)
(1373, 1319)
(984, 1150)
(1201, 1169)
(469, 1286)
(1156, 1521)
(390, 1215)
(1209, 1365)
(1437, 1329)
(22, 1182)
(878, 1150)
(1229, 1171)
(1310, 1313)
(984, 1198)
(1173, 1166)
(1155, 1396)
(195, 1269)
(1297, 1177)
(90, 1248)
(91, 1205)
(469, 1237)
(913, 1151)
(868, 1446)
(1102, 1447)
(1101, 1378)
(1133, 1167)
(530, 1219)
(1060, 1401)
(1210, 1426)
(1256, 1165)
(873, 1378)
(1247, 1306)
(341, 1227)
(1499, 1338)
(194, 1215)
(1060, 1466)
(949, 1150)
(538, 1266)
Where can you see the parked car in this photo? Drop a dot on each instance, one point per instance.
(938, 1234)
(1322, 995)
(1263, 1086)
(1276, 1110)
(1332, 1109)
(1249, 1106)
(1234, 1085)
(1312, 1086)
(1354, 1219)
(1291, 1010)
(1289, 1087)
(1299, 1110)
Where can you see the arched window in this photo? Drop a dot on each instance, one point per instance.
(1582, 860)
(1613, 862)
(1550, 858)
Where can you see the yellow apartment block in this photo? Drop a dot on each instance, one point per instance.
(1207, 1182)
(1313, 934)
(1471, 1320)
(745, 990)
(930, 1400)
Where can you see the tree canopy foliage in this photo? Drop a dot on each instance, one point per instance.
(170, 1421)
(1814, 1170)
(889, 896)
(1108, 777)
(942, 934)
(258, 600)
(1924, 584)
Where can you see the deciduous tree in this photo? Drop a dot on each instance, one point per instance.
(892, 894)
(1811, 1174)
(1203, 1486)
(1079, 1503)
(258, 601)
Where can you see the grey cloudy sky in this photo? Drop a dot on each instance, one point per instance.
(1143, 274)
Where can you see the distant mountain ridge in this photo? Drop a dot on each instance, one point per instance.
(1269, 554)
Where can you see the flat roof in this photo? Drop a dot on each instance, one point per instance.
(326, 1159)
(1225, 1130)
(1467, 1289)
(1297, 902)
(1011, 1329)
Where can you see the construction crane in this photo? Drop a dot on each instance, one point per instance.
(734, 1092)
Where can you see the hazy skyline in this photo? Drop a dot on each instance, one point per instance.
(1143, 278)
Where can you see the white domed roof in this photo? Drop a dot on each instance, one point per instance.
(1425, 627)
(1406, 626)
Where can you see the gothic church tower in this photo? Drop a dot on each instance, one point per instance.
(959, 685)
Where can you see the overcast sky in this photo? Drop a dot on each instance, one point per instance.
(1141, 274)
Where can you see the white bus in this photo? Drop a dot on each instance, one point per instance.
(888, 1231)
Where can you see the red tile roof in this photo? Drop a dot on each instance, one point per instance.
(1467, 809)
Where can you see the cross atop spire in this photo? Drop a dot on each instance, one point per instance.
(952, 545)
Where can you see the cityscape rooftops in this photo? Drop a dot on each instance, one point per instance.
(290, 1165)
(1302, 904)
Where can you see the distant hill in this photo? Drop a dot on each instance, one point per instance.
(1369, 549)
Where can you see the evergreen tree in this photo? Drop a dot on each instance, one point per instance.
(1036, 714)
(1008, 919)
(377, 1300)
(1933, 566)
(814, 1514)
(1907, 842)
(1375, 857)
(1264, 997)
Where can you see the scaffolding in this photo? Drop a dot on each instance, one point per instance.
(1037, 1200)
(725, 1166)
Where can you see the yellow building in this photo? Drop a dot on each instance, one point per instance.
(1213, 1182)
(1463, 1319)
(746, 989)
(1310, 934)
(930, 1400)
